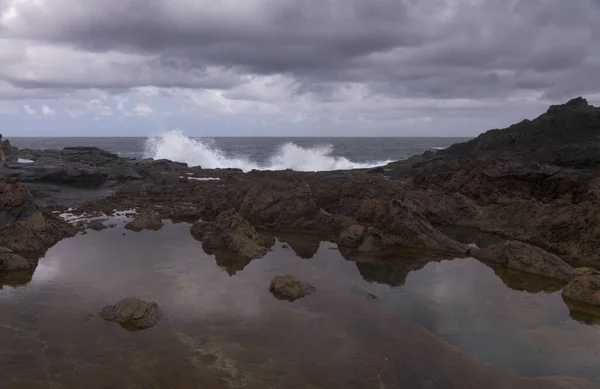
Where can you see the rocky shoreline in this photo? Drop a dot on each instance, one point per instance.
(536, 184)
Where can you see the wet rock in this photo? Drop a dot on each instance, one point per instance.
(364, 239)
(290, 288)
(584, 286)
(231, 231)
(96, 225)
(16, 203)
(147, 219)
(36, 233)
(406, 226)
(352, 236)
(524, 257)
(10, 261)
(133, 313)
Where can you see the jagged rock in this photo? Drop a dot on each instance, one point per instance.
(11, 261)
(231, 231)
(16, 203)
(584, 286)
(35, 234)
(133, 313)
(147, 219)
(524, 257)
(290, 288)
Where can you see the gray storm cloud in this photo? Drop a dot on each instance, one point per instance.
(496, 50)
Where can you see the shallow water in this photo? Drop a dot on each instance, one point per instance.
(222, 328)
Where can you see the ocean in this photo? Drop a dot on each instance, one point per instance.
(301, 154)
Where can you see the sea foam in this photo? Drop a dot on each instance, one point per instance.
(175, 146)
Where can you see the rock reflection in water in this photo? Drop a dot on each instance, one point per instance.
(16, 278)
(305, 245)
(392, 267)
(582, 312)
(530, 283)
(220, 331)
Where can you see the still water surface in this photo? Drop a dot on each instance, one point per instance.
(369, 325)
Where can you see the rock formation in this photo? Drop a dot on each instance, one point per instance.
(584, 286)
(290, 288)
(147, 219)
(133, 313)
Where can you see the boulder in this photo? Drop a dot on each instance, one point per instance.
(290, 288)
(584, 286)
(133, 313)
(11, 261)
(147, 219)
(524, 257)
(231, 231)
(365, 239)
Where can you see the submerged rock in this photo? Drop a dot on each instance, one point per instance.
(231, 231)
(96, 225)
(133, 313)
(10, 261)
(584, 286)
(290, 288)
(524, 257)
(147, 219)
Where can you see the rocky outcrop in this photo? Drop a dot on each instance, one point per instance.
(232, 232)
(10, 261)
(584, 286)
(290, 288)
(147, 219)
(133, 313)
(16, 203)
(524, 257)
(35, 234)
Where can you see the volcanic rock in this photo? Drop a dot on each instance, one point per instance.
(11, 261)
(231, 231)
(133, 313)
(584, 286)
(524, 257)
(147, 219)
(290, 288)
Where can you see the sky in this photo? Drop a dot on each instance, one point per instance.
(291, 67)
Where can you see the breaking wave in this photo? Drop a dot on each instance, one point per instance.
(175, 146)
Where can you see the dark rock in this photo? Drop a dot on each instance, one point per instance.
(290, 288)
(584, 286)
(133, 313)
(10, 261)
(16, 203)
(96, 225)
(147, 219)
(35, 234)
(231, 231)
(524, 257)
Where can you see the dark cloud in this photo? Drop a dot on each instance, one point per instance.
(403, 48)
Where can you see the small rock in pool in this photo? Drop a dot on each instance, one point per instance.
(96, 225)
(290, 288)
(284, 246)
(132, 313)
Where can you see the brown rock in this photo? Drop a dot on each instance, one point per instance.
(133, 313)
(352, 236)
(35, 234)
(524, 257)
(290, 288)
(231, 231)
(147, 219)
(584, 286)
(11, 261)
